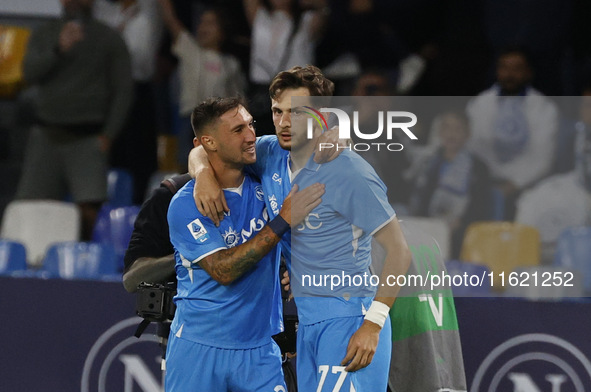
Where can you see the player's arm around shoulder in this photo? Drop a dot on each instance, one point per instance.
(227, 265)
(362, 345)
(209, 196)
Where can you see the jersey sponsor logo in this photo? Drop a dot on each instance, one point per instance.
(344, 123)
(534, 363)
(230, 237)
(197, 230)
(311, 222)
(258, 191)
(274, 204)
(255, 225)
(277, 178)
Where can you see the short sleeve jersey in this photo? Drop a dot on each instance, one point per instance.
(334, 241)
(244, 314)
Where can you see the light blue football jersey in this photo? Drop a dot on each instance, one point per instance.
(335, 238)
(272, 168)
(244, 314)
(331, 249)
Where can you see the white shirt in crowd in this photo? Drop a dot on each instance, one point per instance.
(204, 73)
(534, 162)
(272, 50)
(141, 28)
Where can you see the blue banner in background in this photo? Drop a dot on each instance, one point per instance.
(515, 345)
(73, 336)
(77, 336)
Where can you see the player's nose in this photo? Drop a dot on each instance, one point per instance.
(285, 120)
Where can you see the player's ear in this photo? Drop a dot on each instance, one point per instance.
(196, 142)
(209, 143)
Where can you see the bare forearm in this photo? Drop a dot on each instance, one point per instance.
(173, 24)
(398, 259)
(396, 264)
(198, 161)
(250, 9)
(149, 269)
(228, 265)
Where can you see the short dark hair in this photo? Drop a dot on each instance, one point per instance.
(309, 76)
(210, 110)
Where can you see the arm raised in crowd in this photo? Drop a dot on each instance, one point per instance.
(172, 22)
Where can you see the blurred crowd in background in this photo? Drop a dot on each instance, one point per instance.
(512, 144)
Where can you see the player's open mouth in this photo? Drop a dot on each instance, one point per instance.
(286, 136)
(250, 150)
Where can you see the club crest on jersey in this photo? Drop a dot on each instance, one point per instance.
(258, 191)
(197, 230)
(277, 178)
(230, 237)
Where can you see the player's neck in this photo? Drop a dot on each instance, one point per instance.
(228, 175)
(299, 157)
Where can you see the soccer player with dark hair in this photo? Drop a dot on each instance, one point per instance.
(229, 298)
(344, 339)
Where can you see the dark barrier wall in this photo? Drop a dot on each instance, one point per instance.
(73, 336)
(513, 345)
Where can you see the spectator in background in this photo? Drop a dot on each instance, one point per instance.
(136, 147)
(284, 33)
(82, 69)
(204, 70)
(365, 34)
(545, 29)
(513, 128)
(562, 200)
(453, 184)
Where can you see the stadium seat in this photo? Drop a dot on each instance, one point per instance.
(469, 286)
(573, 251)
(120, 188)
(13, 257)
(435, 227)
(80, 260)
(548, 283)
(40, 223)
(501, 246)
(114, 226)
